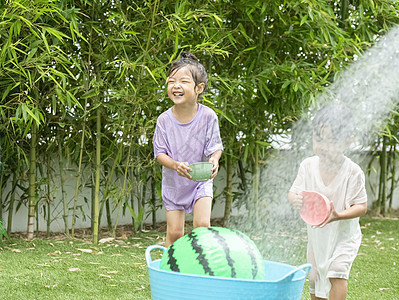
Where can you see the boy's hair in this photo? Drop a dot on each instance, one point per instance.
(197, 70)
(338, 117)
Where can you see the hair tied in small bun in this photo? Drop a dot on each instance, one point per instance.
(197, 70)
(188, 55)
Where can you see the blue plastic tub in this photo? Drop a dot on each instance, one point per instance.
(282, 282)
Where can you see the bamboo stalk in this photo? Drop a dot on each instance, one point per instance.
(132, 203)
(383, 174)
(1, 196)
(93, 200)
(229, 189)
(75, 198)
(256, 185)
(106, 189)
(97, 178)
(143, 196)
(123, 188)
(242, 174)
(48, 223)
(344, 12)
(153, 200)
(12, 201)
(37, 218)
(393, 175)
(62, 181)
(32, 183)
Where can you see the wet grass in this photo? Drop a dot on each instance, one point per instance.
(375, 271)
(75, 269)
(62, 268)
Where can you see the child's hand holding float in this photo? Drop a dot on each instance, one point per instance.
(354, 211)
(182, 169)
(215, 167)
(215, 160)
(331, 218)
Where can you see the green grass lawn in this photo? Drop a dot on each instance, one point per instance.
(375, 271)
(75, 269)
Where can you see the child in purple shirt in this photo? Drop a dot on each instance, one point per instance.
(186, 133)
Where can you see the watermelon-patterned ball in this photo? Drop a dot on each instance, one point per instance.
(214, 251)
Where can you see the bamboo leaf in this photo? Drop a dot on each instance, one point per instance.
(8, 89)
(31, 54)
(45, 40)
(10, 34)
(24, 112)
(304, 19)
(90, 94)
(18, 28)
(263, 144)
(137, 217)
(74, 100)
(249, 49)
(58, 34)
(32, 114)
(224, 116)
(27, 128)
(286, 83)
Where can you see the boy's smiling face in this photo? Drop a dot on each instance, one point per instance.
(181, 87)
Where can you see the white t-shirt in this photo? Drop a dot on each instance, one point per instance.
(333, 248)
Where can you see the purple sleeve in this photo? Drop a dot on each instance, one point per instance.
(213, 140)
(159, 141)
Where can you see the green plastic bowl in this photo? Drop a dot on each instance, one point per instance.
(201, 171)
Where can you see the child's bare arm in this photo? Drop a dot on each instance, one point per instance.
(215, 157)
(180, 167)
(356, 210)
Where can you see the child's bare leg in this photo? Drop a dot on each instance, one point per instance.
(339, 288)
(202, 212)
(313, 297)
(174, 226)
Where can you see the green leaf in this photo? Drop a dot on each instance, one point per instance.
(296, 86)
(18, 28)
(137, 218)
(58, 34)
(45, 40)
(304, 19)
(249, 49)
(31, 53)
(74, 100)
(224, 116)
(263, 144)
(32, 114)
(89, 94)
(8, 89)
(286, 83)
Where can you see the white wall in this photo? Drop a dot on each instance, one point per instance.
(57, 225)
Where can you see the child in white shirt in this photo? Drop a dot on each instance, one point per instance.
(332, 246)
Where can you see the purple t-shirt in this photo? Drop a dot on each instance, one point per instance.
(188, 142)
